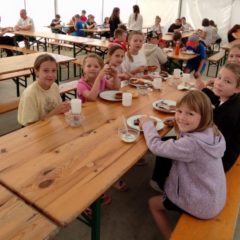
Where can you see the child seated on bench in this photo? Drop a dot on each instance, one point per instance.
(41, 99)
(225, 98)
(196, 183)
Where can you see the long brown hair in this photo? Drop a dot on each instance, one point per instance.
(130, 36)
(136, 11)
(198, 102)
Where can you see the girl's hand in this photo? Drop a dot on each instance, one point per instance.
(62, 108)
(199, 83)
(140, 69)
(169, 121)
(144, 119)
(210, 82)
(112, 72)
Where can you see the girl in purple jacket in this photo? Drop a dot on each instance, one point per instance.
(196, 183)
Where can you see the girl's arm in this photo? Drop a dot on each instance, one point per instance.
(59, 109)
(174, 149)
(93, 93)
(139, 69)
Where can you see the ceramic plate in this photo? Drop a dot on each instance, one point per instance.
(188, 52)
(110, 95)
(165, 105)
(134, 82)
(130, 122)
(185, 86)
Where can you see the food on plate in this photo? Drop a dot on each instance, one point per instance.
(152, 68)
(134, 93)
(167, 106)
(139, 81)
(136, 122)
(163, 74)
(118, 95)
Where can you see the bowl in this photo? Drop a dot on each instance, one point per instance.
(73, 120)
(128, 135)
(142, 90)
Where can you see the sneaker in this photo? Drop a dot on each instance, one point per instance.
(155, 186)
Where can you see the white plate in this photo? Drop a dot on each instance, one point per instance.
(184, 86)
(110, 95)
(146, 82)
(130, 122)
(165, 103)
(188, 52)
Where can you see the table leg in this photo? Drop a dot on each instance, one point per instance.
(96, 216)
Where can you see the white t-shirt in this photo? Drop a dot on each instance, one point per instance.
(35, 103)
(138, 60)
(209, 35)
(25, 22)
(135, 25)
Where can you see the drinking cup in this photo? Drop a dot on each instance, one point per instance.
(177, 73)
(142, 89)
(76, 106)
(157, 82)
(127, 99)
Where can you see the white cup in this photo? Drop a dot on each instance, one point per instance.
(157, 82)
(103, 39)
(186, 77)
(127, 99)
(177, 73)
(76, 106)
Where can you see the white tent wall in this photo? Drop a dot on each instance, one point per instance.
(219, 11)
(235, 14)
(167, 10)
(9, 12)
(67, 9)
(41, 15)
(225, 13)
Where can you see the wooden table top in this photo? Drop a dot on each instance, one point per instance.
(20, 221)
(169, 36)
(62, 170)
(182, 56)
(24, 62)
(227, 46)
(96, 30)
(63, 37)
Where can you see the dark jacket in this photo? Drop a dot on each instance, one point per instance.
(113, 22)
(227, 118)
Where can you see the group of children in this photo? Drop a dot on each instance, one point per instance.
(195, 180)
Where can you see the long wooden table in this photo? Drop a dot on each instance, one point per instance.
(20, 221)
(169, 36)
(62, 170)
(78, 42)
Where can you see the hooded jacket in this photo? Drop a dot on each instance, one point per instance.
(154, 55)
(196, 182)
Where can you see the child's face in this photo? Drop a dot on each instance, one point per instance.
(123, 37)
(91, 68)
(225, 85)
(136, 43)
(117, 57)
(186, 119)
(234, 56)
(46, 74)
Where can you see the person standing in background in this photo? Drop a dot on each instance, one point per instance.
(135, 21)
(114, 21)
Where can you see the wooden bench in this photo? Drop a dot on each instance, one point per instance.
(20, 221)
(17, 49)
(67, 88)
(9, 106)
(58, 45)
(19, 78)
(216, 60)
(64, 88)
(221, 227)
(78, 62)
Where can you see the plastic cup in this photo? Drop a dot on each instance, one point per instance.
(157, 83)
(142, 90)
(177, 73)
(76, 106)
(127, 99)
